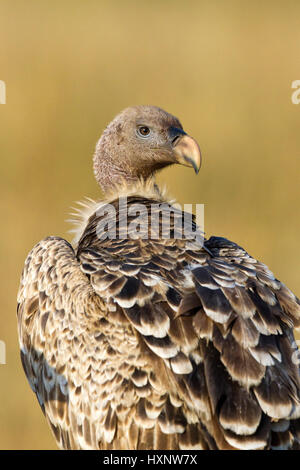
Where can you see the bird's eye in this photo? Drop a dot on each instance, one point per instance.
(143, 131)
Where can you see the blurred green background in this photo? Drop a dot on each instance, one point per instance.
(225, 68)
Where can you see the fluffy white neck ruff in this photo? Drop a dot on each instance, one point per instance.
(146, 189)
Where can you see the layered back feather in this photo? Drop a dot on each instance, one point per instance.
(158, 343)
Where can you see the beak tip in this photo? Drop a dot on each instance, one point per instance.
(196, 167)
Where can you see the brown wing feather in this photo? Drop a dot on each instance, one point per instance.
(222, 325)
(51, 302)
(154, 344)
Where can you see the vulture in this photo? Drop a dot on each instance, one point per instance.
(135, 337)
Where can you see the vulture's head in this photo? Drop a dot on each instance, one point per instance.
(140, 141)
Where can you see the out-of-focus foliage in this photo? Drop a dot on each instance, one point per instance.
(224, 68)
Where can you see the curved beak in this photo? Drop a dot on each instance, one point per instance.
(186, 150)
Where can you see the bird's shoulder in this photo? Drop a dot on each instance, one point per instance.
(205, 324)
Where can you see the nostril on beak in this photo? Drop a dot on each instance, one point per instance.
(176, 138)
(175, 134)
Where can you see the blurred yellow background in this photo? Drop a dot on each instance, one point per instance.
(225, 68)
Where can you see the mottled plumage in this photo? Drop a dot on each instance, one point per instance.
(157, 343)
